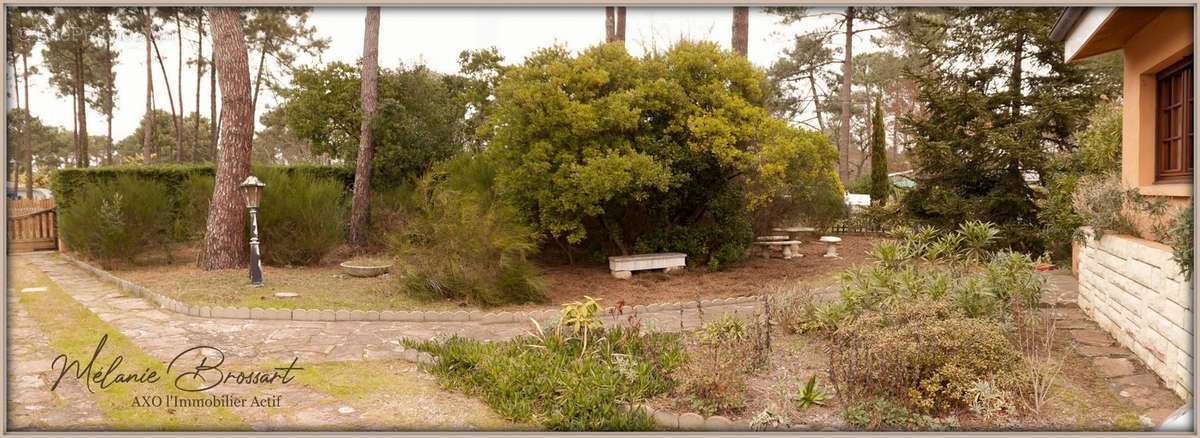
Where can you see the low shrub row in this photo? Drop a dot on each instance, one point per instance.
(115, 214)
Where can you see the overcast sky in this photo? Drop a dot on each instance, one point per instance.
(434, 36)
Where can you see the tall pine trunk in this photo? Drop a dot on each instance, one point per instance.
(199, 74)
(262, 60)
(224, 247)
(621, 24)
(148, 120)
(812, 85)
(108, 100)
(360, 212)
(610, 24)
(16, 163)
(28, 143)
(213, 121)
(179, 156)
(847, 73)
(81, 158)
(171, 102)
(741, 30)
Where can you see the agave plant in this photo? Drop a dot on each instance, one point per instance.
(810, 395)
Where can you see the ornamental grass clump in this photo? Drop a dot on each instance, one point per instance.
(562, 378)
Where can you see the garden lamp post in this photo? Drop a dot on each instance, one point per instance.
(252, 188)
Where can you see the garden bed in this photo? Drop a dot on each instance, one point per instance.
(325, 286)
(1083, 398)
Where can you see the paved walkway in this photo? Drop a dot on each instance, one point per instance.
(160, 333)
(31, 404)
(1124, 374)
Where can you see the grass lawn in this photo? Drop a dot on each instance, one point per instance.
(74, 331)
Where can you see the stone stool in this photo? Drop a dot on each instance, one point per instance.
(833, 242)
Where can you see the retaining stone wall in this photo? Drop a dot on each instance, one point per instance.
(1133, 289)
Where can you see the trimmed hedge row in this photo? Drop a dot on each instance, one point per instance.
(116, 213)
(64, 183)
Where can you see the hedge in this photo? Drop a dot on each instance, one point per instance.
(64, 182)
(174, 178)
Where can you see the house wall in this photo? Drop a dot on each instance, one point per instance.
(1162, 42)
(1133, 289)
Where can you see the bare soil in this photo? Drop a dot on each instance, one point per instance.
(324, 286)
(753, 276)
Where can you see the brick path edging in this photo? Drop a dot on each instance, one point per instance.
(258, 313)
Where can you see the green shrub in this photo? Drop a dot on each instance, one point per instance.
(1182, 239)
(116, 220)
(883, 414)
(559, 380)
(1106, 205)
(458, 242)
(670, 151)
(1098, 152)
(301, 218)
(923, 354)
(187, 189)
(194, 195)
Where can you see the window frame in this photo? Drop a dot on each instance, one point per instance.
(1161, 151)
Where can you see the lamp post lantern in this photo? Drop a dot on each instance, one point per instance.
(252, 188)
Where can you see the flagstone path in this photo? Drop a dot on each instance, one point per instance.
(163, 335)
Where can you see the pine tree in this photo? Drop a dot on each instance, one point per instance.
(224, 247)
(998, 96)
(369, 90)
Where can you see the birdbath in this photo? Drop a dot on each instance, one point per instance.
(366, 267)
(831, 250)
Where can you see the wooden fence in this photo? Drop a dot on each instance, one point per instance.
(32, 225)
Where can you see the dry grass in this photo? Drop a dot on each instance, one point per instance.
(320, 287)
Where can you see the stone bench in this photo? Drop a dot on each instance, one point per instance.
(789, 248)
(623, 266)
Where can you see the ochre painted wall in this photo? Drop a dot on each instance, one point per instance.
(1159, 44)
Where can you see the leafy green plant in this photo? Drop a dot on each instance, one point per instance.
(889, 253)
(1182, 240)
(457, 241)
(810, 395)
(978, 237)
(116, 220)
(672, 150)
(883, 414)
(1106, 205)
(725, 329)
(549, 379)
(580, 318)
(301, 219)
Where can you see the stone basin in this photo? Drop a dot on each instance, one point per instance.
(365, 269)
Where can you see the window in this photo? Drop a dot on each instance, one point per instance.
(1173, 139)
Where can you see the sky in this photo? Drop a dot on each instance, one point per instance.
(433, 36)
